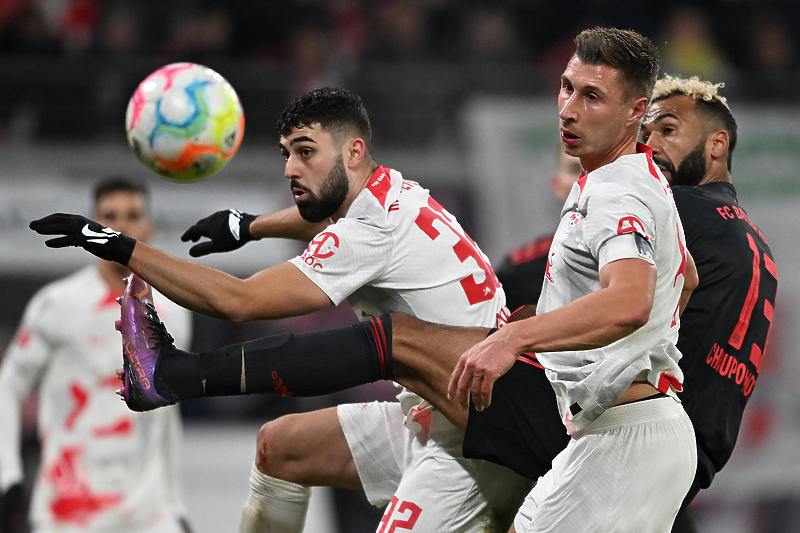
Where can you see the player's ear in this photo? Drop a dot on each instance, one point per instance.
(356, 152)
(717, 144)
(638, 109)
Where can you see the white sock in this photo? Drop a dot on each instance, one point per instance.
(274, 505)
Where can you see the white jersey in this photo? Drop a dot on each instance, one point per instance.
(396, 250)
(628, 199)
(103, 467)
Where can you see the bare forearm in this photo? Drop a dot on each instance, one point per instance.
(594, 321)
(190, 285)
(278, 292)
(285, 224)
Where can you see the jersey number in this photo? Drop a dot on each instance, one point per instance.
(737, 337)
(464, 249)
(406, 523)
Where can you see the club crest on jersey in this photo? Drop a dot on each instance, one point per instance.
(572, 222)
(323, 246)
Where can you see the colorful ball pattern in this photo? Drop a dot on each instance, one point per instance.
(184, 122)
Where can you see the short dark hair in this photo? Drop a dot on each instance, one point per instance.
(625, 50)
(120, 183)
(336, 110)
(708, 102)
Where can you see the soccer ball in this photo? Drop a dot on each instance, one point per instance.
(184, 122)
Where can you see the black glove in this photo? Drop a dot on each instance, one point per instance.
(12, 508)
(228, 230)
(78, 230)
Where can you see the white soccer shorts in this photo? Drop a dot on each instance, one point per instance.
(627, 472)
(429, 486)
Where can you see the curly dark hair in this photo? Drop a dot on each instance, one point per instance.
(336, 110)
(632, 54)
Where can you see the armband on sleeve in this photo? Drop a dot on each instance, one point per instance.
(626, 246)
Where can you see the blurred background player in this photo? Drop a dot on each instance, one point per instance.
(522, 271)
(389, 247)
(725, 326)
(102, 468)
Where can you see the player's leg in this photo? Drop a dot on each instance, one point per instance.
(295, 452)
(425, 354)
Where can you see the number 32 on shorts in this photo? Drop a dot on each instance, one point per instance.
(399, 516)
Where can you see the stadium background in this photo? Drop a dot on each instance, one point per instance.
(462, 99)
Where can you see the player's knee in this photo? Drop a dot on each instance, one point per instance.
(276, 447)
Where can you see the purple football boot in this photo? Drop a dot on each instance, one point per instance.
(143, 339)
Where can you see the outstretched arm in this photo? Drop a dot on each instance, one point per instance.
(618, 309)
(277, 292)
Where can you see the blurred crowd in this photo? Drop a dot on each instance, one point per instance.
(68, 67)
(712, 39)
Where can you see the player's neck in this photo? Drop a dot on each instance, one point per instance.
(358, 182)
(114, 275)
(717, 172)
(601, 158)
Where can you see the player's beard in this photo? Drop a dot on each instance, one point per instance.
(318, 206)
(691, 170)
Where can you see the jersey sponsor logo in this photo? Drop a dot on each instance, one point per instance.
(323, 246)
(731, 368)
(572, 222)
(631, 224)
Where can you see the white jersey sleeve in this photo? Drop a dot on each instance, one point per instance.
(623, 213)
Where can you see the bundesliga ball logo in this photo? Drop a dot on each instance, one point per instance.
(184, 122)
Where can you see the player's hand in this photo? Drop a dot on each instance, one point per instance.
(228, 230)
(12, 506)
(479, 367)
(77, 230)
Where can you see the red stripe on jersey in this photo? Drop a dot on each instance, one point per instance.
(122, 427)
(109, 299)
(530, 358)
(379, 185)
(23, 337)
(81, 398)
(770, 265)
(531, 251)
(582, 183)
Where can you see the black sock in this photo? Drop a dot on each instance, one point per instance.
(290, 364)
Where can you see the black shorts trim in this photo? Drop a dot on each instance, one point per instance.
(521, 429)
